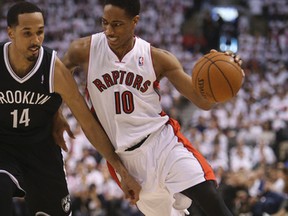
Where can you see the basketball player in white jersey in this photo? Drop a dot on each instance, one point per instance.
(32, 85)
(123, 72)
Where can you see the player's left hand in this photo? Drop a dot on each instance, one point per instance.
(131, 188)
(59, 126)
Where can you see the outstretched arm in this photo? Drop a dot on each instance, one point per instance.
(167, 65)
(65, 85)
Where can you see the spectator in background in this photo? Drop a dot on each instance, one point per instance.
(218, 158)
(241, 157)
(263, 154)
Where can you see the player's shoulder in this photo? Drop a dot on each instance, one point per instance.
(164, 61)
(79, 49)
(162, 55)
(81, 43)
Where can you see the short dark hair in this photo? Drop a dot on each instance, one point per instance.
(21, 8)
(131, 7)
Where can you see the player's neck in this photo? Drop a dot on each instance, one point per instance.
(121, 52)
(19, 64)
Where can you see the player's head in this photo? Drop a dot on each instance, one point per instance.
(131, 7)
(119, 20)
(21, 7)
(26, 29)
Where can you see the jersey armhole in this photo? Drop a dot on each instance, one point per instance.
(52, 71)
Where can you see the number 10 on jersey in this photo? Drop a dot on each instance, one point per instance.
(124, 102)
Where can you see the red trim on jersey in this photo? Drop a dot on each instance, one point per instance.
(156, 86)
(207, 169)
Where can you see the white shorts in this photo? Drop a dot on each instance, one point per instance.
(163, 165)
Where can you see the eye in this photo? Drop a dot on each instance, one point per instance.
(117, 24)
(104, 22)
(40, 32)
(27, 34)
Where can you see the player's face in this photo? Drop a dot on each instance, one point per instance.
(118, 27)
(27, 37)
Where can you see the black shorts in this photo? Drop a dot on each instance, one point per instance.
(38, 172)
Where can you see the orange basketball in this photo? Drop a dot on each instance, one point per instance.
(217, 77)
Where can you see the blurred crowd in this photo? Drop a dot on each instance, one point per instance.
(245, 140)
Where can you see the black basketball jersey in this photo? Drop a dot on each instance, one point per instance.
(27, 104)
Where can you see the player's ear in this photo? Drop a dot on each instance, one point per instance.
(10, 33)
(135, 20)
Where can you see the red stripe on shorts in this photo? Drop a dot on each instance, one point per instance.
(207, 169)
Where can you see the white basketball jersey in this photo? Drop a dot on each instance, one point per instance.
(122, 93)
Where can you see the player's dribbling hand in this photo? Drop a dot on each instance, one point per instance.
(131, 188)
(59, 126)
(237, 58)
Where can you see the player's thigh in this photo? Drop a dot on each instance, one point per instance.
(7, 189)
(180, 165)
(9, 168)
(48, 195)
(10, 178)
(45, 181)
(183, 170)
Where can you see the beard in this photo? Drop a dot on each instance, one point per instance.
(32, 58)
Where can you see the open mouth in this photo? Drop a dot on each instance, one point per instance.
(34, 50)
(112, 40)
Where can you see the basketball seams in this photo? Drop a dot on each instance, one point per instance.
(199, 70)
(209, 83)
(223, 74)
(208, 57)
(217, 66)
(212, 62)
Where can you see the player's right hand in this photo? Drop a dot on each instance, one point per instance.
(131, 188)
(59, 126)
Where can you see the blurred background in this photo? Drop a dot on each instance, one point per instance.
(245, 140)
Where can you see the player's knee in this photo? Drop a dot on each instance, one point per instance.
(202, 190)
(207, 198)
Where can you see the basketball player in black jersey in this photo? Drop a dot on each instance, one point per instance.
(32, 85)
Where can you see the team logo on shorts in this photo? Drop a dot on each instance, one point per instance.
(66, 203)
